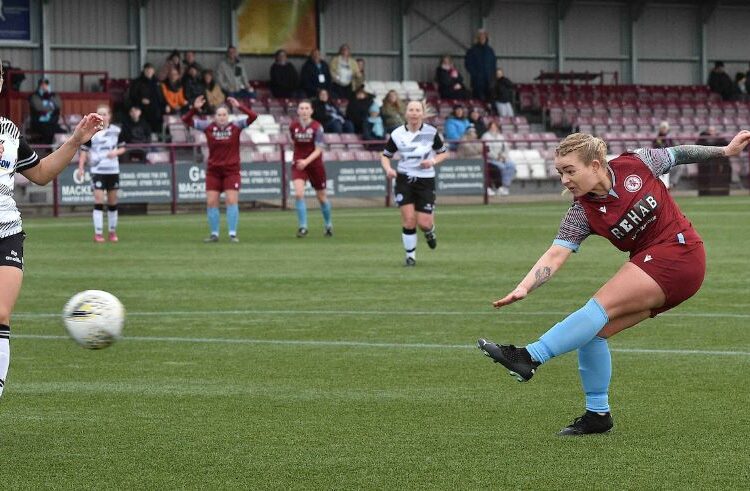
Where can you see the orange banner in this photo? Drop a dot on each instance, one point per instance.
(264, 26)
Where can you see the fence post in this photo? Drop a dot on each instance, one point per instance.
(55, 199)
(486, 173)
(284, 186)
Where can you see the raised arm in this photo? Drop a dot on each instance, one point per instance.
(51, 165)
(545, 267)
(686, 154)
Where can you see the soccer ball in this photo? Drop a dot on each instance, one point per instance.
(94, 318)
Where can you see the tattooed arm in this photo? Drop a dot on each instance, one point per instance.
(685, 154)
(545, 267)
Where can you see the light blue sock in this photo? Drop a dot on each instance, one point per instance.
(325, 209)
(595, 367)
(233, 218)
(301, 212)
(572, 332)
(213, 220)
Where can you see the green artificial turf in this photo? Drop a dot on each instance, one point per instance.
(323, 363)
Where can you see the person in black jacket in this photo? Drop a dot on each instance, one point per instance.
(145, 92)
(329, 115)
(449, 80)
(502, 94)
(315, 74)
(284, 80)
(135, 130)
(357, 111)
(720, 82)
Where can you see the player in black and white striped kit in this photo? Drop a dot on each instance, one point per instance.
(102, 153)
(17, 156)
(421, 149)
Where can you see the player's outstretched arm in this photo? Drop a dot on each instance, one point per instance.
(51, 165)
(545, 267)
(686, 154)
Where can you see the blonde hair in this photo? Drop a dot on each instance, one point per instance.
(588, 147)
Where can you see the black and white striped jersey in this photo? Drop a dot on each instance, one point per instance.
(100, 144)
(17, 156)
(414, 147)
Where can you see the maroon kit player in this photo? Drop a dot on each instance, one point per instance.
(624, 201)
(223, 169)
(307, 135)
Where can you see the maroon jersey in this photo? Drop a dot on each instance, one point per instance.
(223, 142)
(305, 139)
(638, 212)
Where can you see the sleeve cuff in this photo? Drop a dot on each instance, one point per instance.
(568, 245)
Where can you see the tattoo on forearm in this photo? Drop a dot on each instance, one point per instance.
(688, 154)
(542, 275)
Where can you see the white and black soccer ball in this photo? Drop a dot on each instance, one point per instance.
(94, 318)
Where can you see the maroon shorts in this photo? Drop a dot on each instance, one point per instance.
(677, 268)
(315, 173)
(218, 179)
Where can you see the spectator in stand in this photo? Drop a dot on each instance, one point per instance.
(475, 118)
(375, 130)
(502, 94)
(501, 170)
(344, 72)
(456, 125)
(214, 95)
(720, 82)
(740, 87)
(190, 60)
(174, 94)
(284, 79)
(663, 140)
(172, 61)
(392, 111)
(146, 93)
(44, 106)
(470, 146)
(192, 83)
(329, 116)
(315, 74)
(357, 110)
(232, 78)
(135, 130)
(481, 62)
(360, 81)
(449, 80)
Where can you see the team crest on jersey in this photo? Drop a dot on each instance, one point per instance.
(633, 183)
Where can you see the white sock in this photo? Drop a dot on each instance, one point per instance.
(112, 220)
(4, 355)
(410, 242)
(98, 221)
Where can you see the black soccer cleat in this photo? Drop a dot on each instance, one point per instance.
(517, 360)
(588, 424)
(301, 232)
(211, 238)
(431, 239)
(410, 262)
(328, 232)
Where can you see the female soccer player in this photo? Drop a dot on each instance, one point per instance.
(307, 135)
(421, 149)
(102, 153)
(17, 156)
(223, 169)
(625, 202)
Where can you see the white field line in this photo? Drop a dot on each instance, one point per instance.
(362, 344)
(180, 313)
